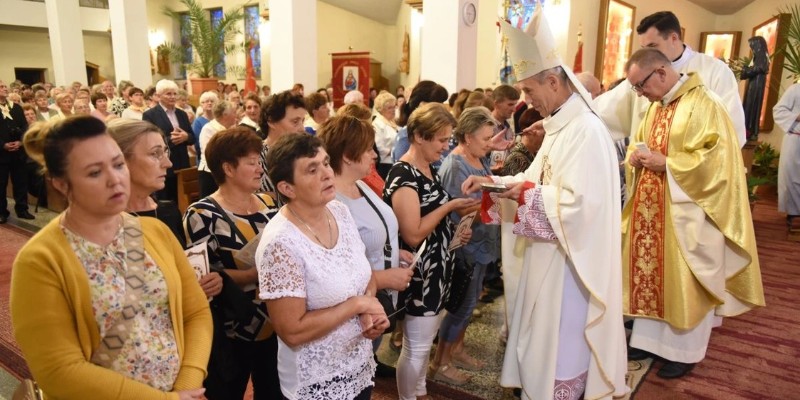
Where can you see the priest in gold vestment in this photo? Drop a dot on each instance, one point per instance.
(688, 248)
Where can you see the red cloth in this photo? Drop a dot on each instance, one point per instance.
(250, 85)
(374, 181)
(577, 66)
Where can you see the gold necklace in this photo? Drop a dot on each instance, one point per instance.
(330, 229)
(246, 207)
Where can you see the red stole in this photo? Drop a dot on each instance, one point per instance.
(648, 218)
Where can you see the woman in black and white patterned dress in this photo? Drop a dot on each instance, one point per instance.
(422, 207)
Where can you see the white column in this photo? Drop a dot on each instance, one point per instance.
(66, 41)
(129, 41)
(449, 48)
(293, 52)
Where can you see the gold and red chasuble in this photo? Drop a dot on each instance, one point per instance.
(647, 229)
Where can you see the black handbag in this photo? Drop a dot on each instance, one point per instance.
(384, 296)
(459, 284)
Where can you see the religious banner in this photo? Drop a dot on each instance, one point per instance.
(350, 72)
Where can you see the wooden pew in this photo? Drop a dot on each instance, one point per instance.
(188, 187)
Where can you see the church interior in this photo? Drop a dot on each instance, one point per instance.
(458, 44)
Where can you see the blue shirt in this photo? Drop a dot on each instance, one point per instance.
(197, 126)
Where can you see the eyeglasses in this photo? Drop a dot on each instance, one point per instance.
(160, 153)
(639, 87)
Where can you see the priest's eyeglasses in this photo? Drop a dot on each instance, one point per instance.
(639, 87)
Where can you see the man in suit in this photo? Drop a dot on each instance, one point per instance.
(12, 156)
(178, 134)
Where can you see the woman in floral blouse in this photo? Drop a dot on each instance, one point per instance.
(105, 305)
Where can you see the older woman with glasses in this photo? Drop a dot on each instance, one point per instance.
(147, 156)
(317, 281)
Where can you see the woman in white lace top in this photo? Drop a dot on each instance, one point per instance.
(316, 280)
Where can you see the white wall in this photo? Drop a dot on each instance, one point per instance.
(488, 68)
(411, 21)
(30, 48)
(97, 47)
(694, 19)
(338, 30)
(24, 48)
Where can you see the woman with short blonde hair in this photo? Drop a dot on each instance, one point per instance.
(422, 207)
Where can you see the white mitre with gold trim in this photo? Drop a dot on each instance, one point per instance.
(534, 50)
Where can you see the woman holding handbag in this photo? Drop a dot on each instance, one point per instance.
(87, 326)
(348, 141)
(245, 346)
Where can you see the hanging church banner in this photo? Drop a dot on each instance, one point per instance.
(350, 72)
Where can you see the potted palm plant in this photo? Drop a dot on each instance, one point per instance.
(791, 47)
(210, 42)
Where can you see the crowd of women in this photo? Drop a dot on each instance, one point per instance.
(310, 240)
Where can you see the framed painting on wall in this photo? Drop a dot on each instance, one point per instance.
(773, 32)
(615, 37)
(721, 45)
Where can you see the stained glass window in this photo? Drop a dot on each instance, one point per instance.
(216, 17)
(521, 11)
(252, 40)
(186, 43)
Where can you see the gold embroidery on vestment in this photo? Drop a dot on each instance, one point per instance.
(647, 226)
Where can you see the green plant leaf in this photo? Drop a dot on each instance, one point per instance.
(210, 44)
(791, 36)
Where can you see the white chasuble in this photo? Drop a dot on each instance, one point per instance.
(577, 174)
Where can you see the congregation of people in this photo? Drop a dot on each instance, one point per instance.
(328, 230)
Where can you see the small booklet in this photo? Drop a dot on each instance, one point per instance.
(466, 222)
(198, 259)
(246, 256)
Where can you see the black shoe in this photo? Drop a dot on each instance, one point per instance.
(3, 219)
(495, 285)
(674, 369)
(385, 371)
(25, 215)
(628, 324)
(487, 298)
(635, 354)
(517, 392)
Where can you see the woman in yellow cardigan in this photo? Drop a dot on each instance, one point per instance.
(104, 305)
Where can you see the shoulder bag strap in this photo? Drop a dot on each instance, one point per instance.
(387, 247)
(227, 219)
